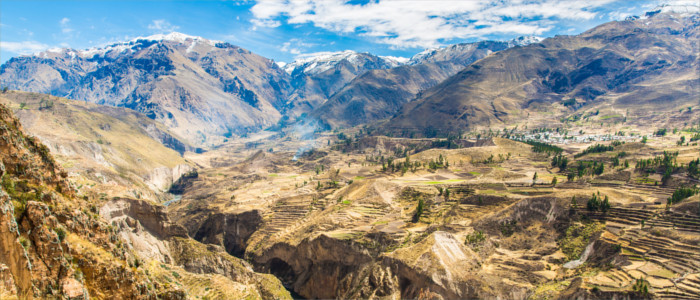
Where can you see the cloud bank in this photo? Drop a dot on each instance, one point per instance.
(409, 24)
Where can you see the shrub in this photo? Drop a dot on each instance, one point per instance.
(419, 210)
(475, 237)
(577, 237)
(61, 233)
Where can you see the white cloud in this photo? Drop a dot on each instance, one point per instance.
(295, 46)
(162, 26)
(265, 23)
(426, 23)
(26, 47)
(65, 26)
(287, 47)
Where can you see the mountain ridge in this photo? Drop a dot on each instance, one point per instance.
(615, 62)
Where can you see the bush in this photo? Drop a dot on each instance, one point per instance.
(61, 233)
(475, 237)
(577, 237)
(508, 227)
(419, 210)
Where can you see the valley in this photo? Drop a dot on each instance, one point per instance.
(177, 167)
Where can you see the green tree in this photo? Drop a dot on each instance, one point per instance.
(419, 210)
(534, 178)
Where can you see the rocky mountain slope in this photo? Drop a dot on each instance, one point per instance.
(105, 149)
(379, 94)
(58, 245)
(317, 77)
(198, 88)
(637, 65)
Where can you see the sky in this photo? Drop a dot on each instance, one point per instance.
(285, 30)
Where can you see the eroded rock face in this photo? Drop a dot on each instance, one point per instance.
(16, 267)
(163, 178)
(315, 267)
(147, 230)
(145, 227)
(230, 230)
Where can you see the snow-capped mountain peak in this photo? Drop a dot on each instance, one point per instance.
(447, 53)
(177, 37)
(319, 62)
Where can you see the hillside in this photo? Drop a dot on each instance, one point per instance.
(202, 90)
(316, 78)
(58, 245)
(379, 94)
(106, 149)
(635, 65)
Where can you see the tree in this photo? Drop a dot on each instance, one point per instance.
(554, 180)
(534, 178)
(419, 210)
(605, 205)
(644, 139)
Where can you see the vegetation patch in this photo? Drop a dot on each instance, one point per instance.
(577, 237)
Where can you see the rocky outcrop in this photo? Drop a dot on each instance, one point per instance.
(230, 230)
(147, 230)
(53, 243)
(315, 267)
(13, 256)
(163, 178)
(143, 226)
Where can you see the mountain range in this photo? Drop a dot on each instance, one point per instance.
(208, 91)
(637, 65)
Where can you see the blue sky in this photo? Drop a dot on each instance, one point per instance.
(283, 30)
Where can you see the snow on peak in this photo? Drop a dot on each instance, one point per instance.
(319, 62)
(396, 61)
(120, 47)
(176, 37)
(423, 55)
(445, 53)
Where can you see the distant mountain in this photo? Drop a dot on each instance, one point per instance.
(378, 94)
(199, 88)
(642, 65)
(316, 63)
(464, 50)
(318, 76)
